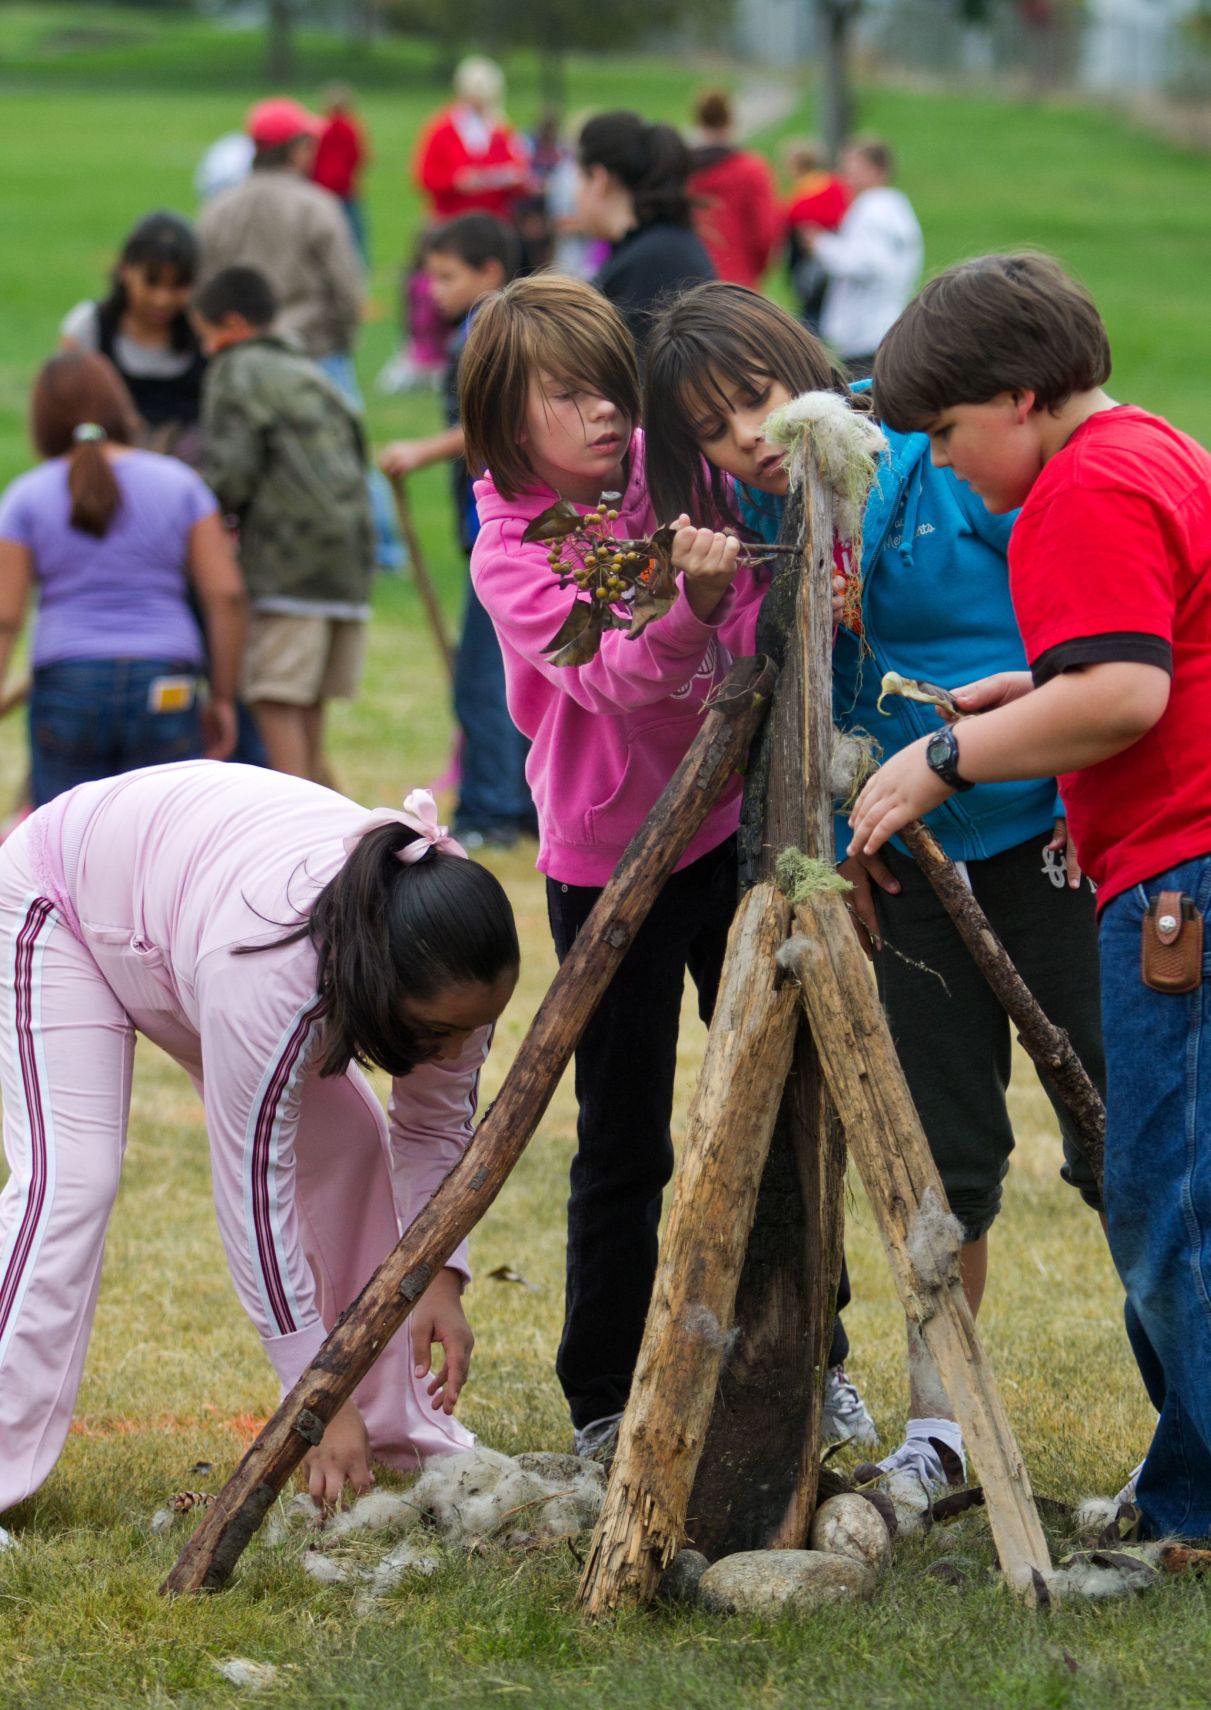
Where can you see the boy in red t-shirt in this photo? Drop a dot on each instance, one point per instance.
(1002, 362)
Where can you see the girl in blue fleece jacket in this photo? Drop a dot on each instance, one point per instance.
(935, 605)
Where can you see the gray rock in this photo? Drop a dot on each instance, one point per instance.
(680, 1580)
(851, 1526)
(763, 1582)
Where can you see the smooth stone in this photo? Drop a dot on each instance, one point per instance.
(851, 1526)
(762, 1582)
(680, 1580)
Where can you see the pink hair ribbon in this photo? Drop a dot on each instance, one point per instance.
(419, 813)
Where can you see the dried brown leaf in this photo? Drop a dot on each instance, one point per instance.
(555, 523)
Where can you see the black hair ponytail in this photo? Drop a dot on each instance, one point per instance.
(384, 930)
(652, 162)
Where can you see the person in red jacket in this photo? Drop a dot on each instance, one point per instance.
(469, 157)
(737, 215)
(818, 197)
(341, 153)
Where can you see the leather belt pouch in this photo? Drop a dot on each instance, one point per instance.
(1171, 954)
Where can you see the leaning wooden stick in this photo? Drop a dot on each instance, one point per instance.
(474, 1182)
(888, 1145)
(420, 572)
(689, 1325)
(1049, 1045)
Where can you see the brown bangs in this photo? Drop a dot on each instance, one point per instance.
(542, 324)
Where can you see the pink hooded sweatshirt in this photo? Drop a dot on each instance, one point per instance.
(607, 736)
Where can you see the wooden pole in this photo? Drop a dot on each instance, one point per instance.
(689, 1324)
(420, 572)
(888, 1144)
(756, 1484)
(374, 1317)
(1049, 1045)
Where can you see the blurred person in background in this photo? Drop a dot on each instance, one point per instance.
(296, 234)
(817, 198)
(736, 210)
(634, 193)
(873, 260)
(142, 327)
(342, 153)
(114, 538)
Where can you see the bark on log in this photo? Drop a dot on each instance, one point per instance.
(364, 1330)
(421, 576)
(1049, 1045)
(689, 1325)
(756, 1485)
(888, 1144)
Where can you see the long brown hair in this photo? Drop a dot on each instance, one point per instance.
(543, 322)
(714, 337)
(80, 389)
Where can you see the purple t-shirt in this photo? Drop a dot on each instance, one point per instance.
(124, 596)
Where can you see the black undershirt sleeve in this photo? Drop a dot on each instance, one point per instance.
(1118, 646)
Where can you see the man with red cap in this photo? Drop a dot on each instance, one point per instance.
(289, 229)
(296, 234)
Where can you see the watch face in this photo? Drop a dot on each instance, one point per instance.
(937, 749)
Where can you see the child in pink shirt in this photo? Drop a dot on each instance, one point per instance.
(270, 937)
(549, 402)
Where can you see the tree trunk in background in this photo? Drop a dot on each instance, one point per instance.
(833, 21)
(279, 60)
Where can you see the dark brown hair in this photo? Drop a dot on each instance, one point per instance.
(544, 323)
(651, 162)
(75, 387)
(1000, 323)
(161, 245)
(876, 152)
(715, 339)
(384, 931)
(713, 110)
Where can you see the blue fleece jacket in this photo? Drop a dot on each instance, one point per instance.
(936, 606)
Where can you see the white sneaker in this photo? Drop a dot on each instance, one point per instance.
(846, 1417)
(597, 1440)
(7, 1541)
(934, 1462)
(1127, 1493)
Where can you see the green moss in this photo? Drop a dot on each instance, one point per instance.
(801, 876)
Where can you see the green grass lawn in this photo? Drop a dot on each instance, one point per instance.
(96, 135)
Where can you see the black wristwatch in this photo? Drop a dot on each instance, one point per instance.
(942, 757)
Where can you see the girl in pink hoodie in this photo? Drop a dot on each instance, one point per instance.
(550, 401)
(269, 936)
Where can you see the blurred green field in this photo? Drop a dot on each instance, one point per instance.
(95, 135)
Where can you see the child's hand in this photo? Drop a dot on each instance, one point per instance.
(708, 563)
(861, 870)
(903, 788)
(838, 598)
(220, 728)
(438, 1317)
(343, 1453)
(404, 457)
(995, 691)
(1062, 839)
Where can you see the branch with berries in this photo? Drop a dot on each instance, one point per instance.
(620, 584)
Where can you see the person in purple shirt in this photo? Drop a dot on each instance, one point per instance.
(114, 538)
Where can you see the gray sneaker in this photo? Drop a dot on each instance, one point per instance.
(598, 1440)
(846, 1417)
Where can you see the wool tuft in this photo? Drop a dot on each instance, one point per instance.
(934, 1238)
(844, 449)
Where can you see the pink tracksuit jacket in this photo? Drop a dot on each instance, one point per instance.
(606, 737)
(120, 904)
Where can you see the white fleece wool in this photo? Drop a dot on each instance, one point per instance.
(843, 445)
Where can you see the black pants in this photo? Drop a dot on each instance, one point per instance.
(956, 1049)
(624, 1089)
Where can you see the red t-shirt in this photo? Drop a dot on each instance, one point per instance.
(443, 157)
(1110, 559)
(737, 216)
(338, 157)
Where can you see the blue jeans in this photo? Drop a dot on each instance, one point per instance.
(494, 797)
(92, 718)
(388, 547)
(1158, 1198)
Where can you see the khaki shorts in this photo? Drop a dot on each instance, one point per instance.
(299, 661)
